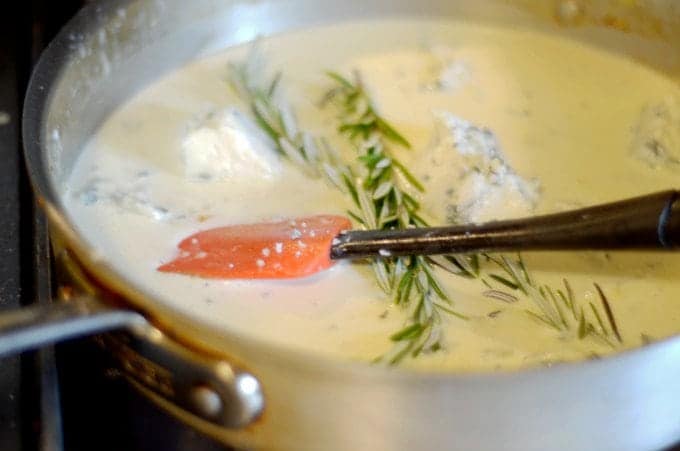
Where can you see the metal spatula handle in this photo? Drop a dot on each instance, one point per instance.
(647, 222)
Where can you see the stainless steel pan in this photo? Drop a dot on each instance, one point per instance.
(256, 394)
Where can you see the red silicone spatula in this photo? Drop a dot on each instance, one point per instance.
(276, 250)
(304, 246)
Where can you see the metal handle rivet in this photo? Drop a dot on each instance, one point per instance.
(206, 401)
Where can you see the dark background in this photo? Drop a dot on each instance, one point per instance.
(21, 39)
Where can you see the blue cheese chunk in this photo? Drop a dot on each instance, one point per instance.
(656, 135)
(228, 145)
(451, 72)
(478, 184)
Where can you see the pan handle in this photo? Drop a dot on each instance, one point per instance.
(210, 389)
(40, 325)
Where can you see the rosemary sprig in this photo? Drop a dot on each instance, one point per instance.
(273, 115)
(384, 199)
(558, 307)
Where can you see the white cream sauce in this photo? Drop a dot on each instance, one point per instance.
(564, 114)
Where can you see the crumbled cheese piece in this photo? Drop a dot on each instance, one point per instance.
(449, 71)
(130, 195)
(228, 145)
(478, 184)
(656, 135)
